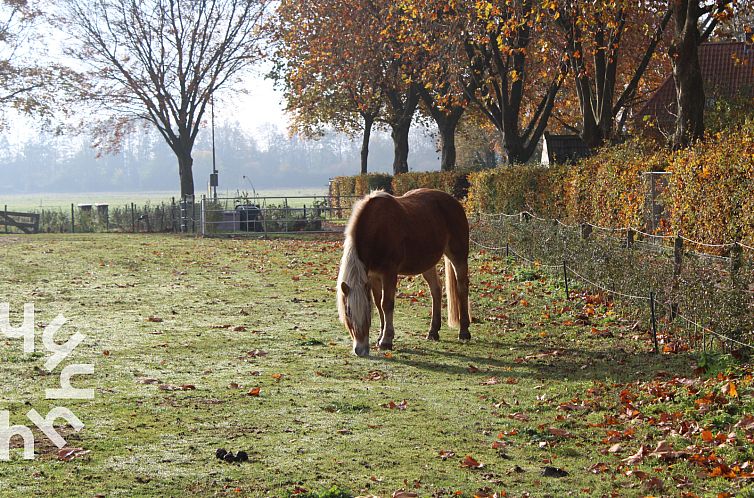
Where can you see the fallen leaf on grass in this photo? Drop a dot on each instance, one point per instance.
(559, 432)
(519, 416)
(277, 376)
(404, 494)
(616, 448)
(666, 452)
(445, 454)
(707, 436)
(599, 468)
(746, 423)
(256, 353)
(472, 369)
(240, 328)
(255, 391)
(396, 406)
(376, 375)
(491, 381)
(154, 319)
(469, 463)
(638, 456)
(147, 380)
(171, 387)
(68, 454)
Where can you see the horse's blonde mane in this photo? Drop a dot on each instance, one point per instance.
(354, 273)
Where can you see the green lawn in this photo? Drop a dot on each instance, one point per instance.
(543, 382)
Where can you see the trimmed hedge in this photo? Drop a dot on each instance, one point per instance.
(456, 184)
(451, 182)
(521, 188)
(711, 190)
(709, 197)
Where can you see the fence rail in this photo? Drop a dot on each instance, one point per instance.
(693, 299)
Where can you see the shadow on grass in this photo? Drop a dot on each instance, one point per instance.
(573, 363)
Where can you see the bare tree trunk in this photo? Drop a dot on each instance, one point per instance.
(689, 84)
(448, 145)
(402, 107)
(186, 173)
(368, 123)
(399, 134)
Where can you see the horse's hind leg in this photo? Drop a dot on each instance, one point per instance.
(389, 284)
(436, 289)
(461, 268)
(376, 284)
(462, 277)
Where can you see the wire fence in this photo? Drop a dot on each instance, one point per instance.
(175, 215)
(688, 298)
(241, 215)
(263, 216)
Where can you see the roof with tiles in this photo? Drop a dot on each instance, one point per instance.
(727, 69)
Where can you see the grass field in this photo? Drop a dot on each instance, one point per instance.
(23, 202)
(184, 332)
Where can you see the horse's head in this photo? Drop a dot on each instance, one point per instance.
(355, 311)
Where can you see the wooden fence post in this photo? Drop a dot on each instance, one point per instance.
(677, 267)
(630, 238)
(736, 260)
(133, 218)
(586, 230)
(73, 220)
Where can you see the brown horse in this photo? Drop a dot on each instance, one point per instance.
(387, 236)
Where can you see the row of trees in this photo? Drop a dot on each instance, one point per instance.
(518, 64)
(348, 64)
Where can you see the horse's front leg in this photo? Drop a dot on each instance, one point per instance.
(436, 290)
(389, 284)
(375, 283)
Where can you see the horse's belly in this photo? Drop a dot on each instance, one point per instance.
(415, 266)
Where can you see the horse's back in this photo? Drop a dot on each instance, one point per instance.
(411, 231)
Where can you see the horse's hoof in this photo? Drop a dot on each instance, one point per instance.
(464, 337)
(433, 336)
(384, 346)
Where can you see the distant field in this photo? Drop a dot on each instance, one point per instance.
(22, 202)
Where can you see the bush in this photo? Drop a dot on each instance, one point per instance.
(518, 188)
(609, 188)
(710, 193)
(454, 183)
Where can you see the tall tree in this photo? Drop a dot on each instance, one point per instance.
(329, 62)
(610, 46)
(511, 92)
(433, 55)
(161, 61)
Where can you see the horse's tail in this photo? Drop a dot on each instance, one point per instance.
(451, 288)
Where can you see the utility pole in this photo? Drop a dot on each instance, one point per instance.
(213, 177)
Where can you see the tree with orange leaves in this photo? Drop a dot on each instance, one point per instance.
(610, 46)
(330, 65)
